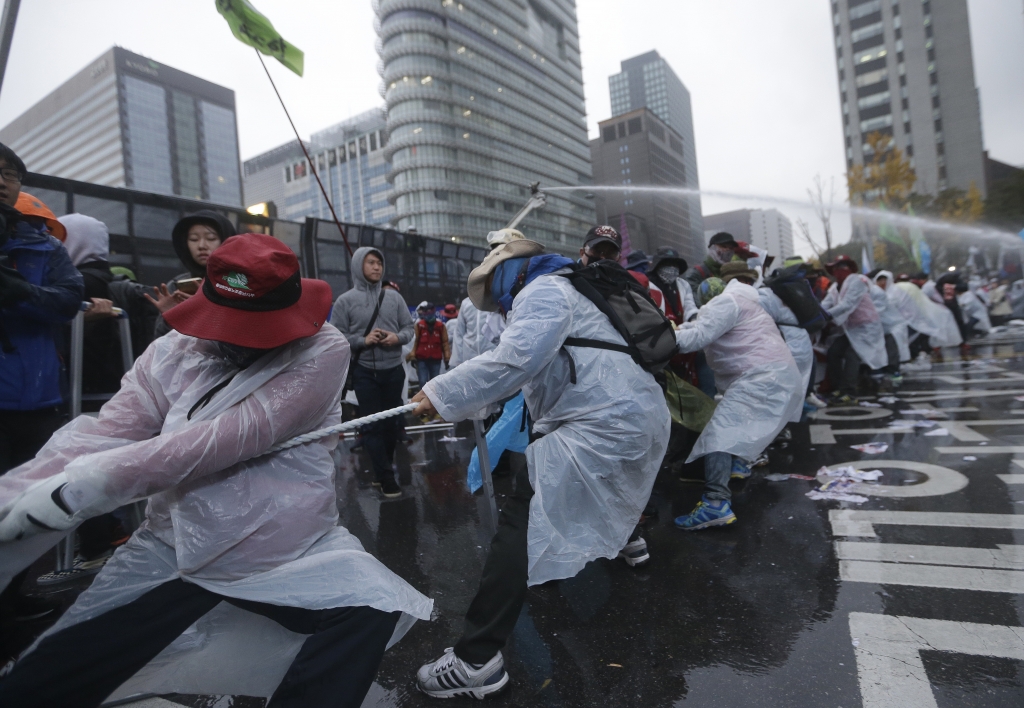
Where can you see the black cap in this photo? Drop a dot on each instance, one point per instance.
(636, 258)
(602, 233)
(666, 254)
(722, 238)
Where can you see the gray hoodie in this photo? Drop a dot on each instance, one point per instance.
(353, 310)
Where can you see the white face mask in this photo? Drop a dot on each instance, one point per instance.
(721, 254)
(668, 274)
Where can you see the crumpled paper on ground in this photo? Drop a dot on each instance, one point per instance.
(872, 448)
(843, 483)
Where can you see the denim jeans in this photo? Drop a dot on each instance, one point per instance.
(717, 471)
(427, 369)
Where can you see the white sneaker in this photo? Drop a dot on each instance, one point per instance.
(451, 676)
(635, 553)
(813, 400)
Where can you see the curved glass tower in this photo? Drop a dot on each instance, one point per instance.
(484, 98)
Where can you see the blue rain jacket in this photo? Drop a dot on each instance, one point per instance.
(31, 375)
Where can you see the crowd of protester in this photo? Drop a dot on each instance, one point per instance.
(710, 367)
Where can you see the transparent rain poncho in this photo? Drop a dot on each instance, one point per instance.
(243, 526)
(930, 318)
(973, 308)
(797, 338)
(761, 384)
(604, 436)
(893, 321)
(852, 308)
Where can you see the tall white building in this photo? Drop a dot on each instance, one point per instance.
(765, 228)
(483, 99)
(350, 159)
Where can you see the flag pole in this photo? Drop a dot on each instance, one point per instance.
(309, 159)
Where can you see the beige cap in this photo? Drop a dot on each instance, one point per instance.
(479, 285)
(502, 236)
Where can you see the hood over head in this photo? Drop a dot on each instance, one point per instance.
(87, 238)
(359, 280)
(179, 236)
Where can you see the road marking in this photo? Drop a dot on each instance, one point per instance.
(949, 395)
(1008, 376)
(1006, 557)
(940, 480)
(979, 450)
(962, 430)
(888, 650)
(853, 522)
(1012, 478)
(933, 576)
(852, 414)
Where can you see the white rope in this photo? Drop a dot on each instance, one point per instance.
(335, 429)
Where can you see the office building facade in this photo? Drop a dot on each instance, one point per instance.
(350, 159)
(647, 81)
(128, 121)
(765, 228)
(484, 99)
(906, 71)
(639, 148)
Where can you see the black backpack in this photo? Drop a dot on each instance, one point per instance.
(649, 336)
(791, 285)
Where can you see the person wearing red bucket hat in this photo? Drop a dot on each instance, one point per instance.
(233, 536)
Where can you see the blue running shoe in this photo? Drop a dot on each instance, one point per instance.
(707, 513)
(740, 470)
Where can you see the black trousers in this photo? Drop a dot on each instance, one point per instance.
(82, 665)
(23, 433)
(495, 608)
(843, 366)
(918, 343)
(378, 391)
(892, 352)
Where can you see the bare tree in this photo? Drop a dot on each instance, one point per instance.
(805, 231)
(823, 209)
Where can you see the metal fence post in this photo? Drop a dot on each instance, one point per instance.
(485, 472)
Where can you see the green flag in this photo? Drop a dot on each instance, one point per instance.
(252, 28)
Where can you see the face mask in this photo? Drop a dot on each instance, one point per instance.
(429, 318)
(668, 274)
(721, 254)
(242, 357)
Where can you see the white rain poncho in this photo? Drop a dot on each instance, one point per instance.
(255, 528)
(852, 308)
(476, 332)
(932, 319)
(973, 308)
(753, 368)
(604, 436)
(796, 337)
(893, 321)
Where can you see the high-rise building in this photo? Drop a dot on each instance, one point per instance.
(640, 148)
(351, 164)
(906, 70)
(483, 99)
(128, 121)
(765, 228)
(647, 81)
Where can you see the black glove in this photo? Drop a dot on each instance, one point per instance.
(13, 287)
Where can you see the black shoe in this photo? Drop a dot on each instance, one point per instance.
(32, 607)
(389, 488)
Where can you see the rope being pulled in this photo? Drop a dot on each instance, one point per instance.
(334, 429)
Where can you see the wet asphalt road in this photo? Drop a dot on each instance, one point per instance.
(800, 603)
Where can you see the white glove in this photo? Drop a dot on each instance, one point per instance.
(37, 511)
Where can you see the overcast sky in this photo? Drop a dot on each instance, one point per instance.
(761, 74)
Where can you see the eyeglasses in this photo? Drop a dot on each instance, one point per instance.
(10, 175)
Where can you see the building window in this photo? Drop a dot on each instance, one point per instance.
(622, 130)
(609, 133)
(635, 126)
(373, 142)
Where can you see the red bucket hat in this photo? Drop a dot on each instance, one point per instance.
(253, 297)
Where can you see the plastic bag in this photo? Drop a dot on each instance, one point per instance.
(508, 433)
(689, 406)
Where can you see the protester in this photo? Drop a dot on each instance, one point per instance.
(849, 303)
(228, 527)
(451, 318)
(975, 314)
(1000, 310)
(796, 337)
(602, 243)
(934, 322)
(478, 332)
(721, 249)
(667, 268)
(430, 344)
(194, 238)
(894, 322)
(761, 386)
(40, 290)
(600, 429)
(376, 322)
